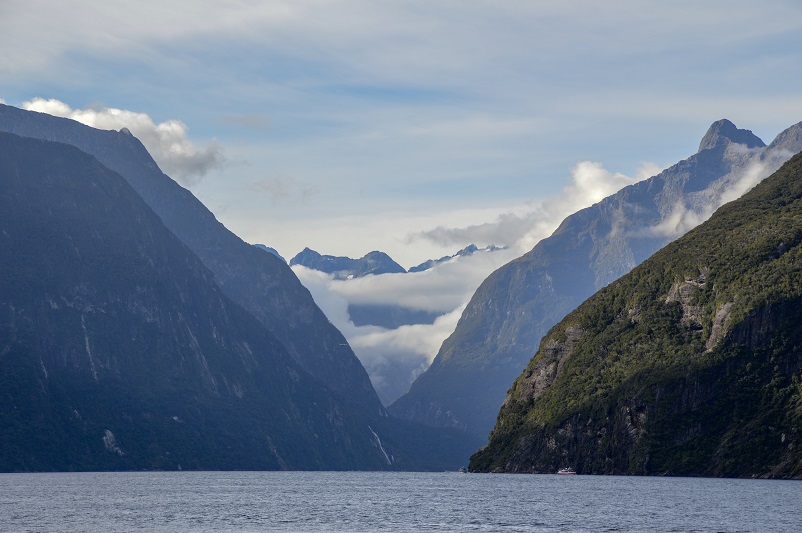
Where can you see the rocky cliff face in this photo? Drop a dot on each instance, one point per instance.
(516, 305)
(261, 283)
(689, 365)
(119, 351)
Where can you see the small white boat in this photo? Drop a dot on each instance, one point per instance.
(567, 471)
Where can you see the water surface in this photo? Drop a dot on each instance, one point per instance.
(375, 501)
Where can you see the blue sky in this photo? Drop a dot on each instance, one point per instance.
(351, 125)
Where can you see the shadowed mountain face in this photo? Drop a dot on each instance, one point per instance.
(260, 282)
(516, 305)
(119, 351)
(688, 365)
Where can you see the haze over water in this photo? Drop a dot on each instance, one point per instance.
(373, 501)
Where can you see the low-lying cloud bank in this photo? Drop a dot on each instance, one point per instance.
(395, 357)
(167, 141)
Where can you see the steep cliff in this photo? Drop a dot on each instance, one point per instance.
(261, 283)
(119, 351)
(689, 365)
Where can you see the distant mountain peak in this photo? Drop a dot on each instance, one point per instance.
(468, 250)
(723, 130)
(342, 267)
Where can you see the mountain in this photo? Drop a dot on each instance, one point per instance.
(345, 267)
(118, 351)
(260, 282)
(270, 250)
(517, 304)
(689, 365)
(468, 250)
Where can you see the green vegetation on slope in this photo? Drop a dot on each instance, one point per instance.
(688, 365)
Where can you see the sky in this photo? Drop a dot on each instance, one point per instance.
(411, 127)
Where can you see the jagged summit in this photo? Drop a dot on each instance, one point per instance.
(345, 267)
(722, 130)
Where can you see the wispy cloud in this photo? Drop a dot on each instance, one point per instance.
(284, 189)
(694, 208)
(168, 142)
(590, 183)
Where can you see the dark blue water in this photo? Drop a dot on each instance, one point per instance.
(356, 501)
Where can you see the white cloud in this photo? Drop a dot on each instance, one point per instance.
(167, 142)
(688, 212)
(590, 183)
(439, 289)
(393, 358)
(280, 189)
(679, 221)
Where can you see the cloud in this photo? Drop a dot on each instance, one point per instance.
(393, 358)
(281, 189)
(678, 222)
(167, 142)
(439, 289)
(751, 167)
(590, 183)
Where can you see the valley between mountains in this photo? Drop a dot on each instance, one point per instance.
(654, 332)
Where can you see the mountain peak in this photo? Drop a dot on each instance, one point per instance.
(343, 267)
(722, 130)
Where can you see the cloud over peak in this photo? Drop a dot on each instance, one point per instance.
(167, 142)
(523, 228)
